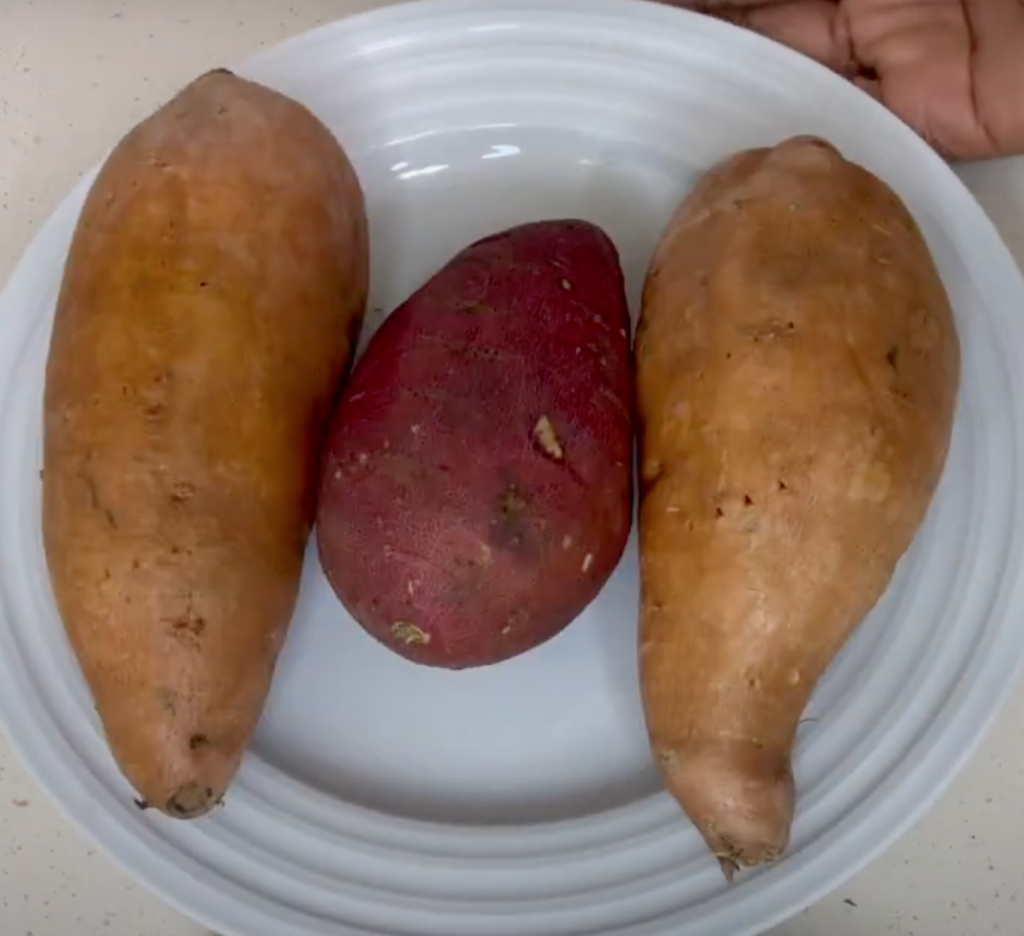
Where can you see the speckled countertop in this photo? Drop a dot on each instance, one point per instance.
(74, 74)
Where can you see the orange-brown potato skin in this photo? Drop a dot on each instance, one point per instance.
(797, 368)
(213, 292)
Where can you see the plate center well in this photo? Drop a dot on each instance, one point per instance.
(559, 731)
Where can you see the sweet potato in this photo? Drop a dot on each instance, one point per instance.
(476, 492)
(797, 367)
(211, 299)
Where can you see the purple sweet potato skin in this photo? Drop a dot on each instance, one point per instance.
(476, 488)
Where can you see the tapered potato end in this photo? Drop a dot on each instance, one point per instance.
(738, 794)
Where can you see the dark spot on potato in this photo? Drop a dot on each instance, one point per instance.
(136, 565)
(203, 284)
(106, 574)
(175, 550)
(95, 502)
(141, 804)
(512, 502)
(167, 699)
(152, 412)
(198, 741)
(190, 801)
(748, 500)
(652, 470)
(719, 512)
(182, 491)
(783, 486)
(892, 356)
(511, 528)
(189, 627)
(470, 306)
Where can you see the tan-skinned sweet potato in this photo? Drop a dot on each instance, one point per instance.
(476, 492)
(797, 368)
(212, 296)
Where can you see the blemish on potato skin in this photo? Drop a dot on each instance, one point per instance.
(651, 471)
(588, 562)
(511, 528)
(92, 490)
(668, 759)
(190, 800)
(167, 699)
(183, 491)
(188, 626)
(870, 483)
(547, 439)
(512, 502)
(409, 634)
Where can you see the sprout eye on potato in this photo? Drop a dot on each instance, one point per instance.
(797, 369)
(210, 304)
(476, 489)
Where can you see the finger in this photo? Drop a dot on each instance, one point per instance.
(817, 28)
(870, 86)
(995, 23)
(716, 7)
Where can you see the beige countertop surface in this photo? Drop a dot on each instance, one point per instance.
(74, 75)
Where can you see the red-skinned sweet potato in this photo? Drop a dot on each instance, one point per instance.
(476, 487)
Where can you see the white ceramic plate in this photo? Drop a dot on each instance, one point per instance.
(520, 800)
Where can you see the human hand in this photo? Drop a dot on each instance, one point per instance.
(951, 69)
